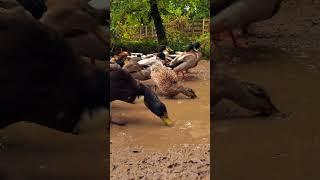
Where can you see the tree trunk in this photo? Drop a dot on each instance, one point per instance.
(160, 30)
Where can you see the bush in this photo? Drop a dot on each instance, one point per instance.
(205, 44)
(145, 47)
(176, 41)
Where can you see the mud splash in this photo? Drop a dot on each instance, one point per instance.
(29, 151)
(146, 136)
(253, 148)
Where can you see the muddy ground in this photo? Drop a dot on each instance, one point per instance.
(284, 58)
(33, 152)
(146, 149)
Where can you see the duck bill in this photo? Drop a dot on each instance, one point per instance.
(126, 61)
(166, 120)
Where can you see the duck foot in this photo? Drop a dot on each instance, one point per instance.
(119, 122)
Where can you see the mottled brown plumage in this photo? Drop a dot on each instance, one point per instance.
(167, 82)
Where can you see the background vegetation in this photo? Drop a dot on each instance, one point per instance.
(128, 15)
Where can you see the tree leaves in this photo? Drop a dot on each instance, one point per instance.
(132, 13)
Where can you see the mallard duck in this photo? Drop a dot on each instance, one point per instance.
(159, 58)
(123, 87)
(189, 59)
(166, 80)
(166, 51)
(228, 15)
(120, 58)
(81, 25)
(43, 75)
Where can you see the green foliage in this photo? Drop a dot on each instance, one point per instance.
(151, 46)
(128, 15)
(205, 44)
(145, 47)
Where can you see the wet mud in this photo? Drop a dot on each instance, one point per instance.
(145, 148)
(29, 151)
(284, 58)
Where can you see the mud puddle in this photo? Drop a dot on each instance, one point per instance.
(145, 136)
(253, 148)
(30, 151)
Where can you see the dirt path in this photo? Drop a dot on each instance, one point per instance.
(145, 148)
(284, 59)
(29, 151)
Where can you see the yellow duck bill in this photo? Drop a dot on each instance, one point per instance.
(167, 121)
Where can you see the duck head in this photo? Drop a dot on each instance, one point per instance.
(196, 46)
(154, 104)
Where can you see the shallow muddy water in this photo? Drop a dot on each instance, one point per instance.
(254, 148)
(191, 118)
(145, 139)
(29, 151)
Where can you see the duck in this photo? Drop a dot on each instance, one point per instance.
(113, 66)
(36, 7)
(166, 80)
(160, 58)
(82, 26)
(166, 50)
(227, 15)
(124, 88)
(187, 60)
(120, 58)
(136, 70)
(245, 94)
(43, 75)
(135, 57)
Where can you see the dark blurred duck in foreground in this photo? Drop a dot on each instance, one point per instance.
(124, 88)
(42, 80)
(35, 7)
(81, 25)
(228, 15)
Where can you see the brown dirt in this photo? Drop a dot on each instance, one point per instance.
(146, 149)
(296, 27)
(29, 151)
(284, 59)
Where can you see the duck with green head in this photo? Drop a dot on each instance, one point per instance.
(124, 88)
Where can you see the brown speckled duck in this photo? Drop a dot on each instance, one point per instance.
(167, 82)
